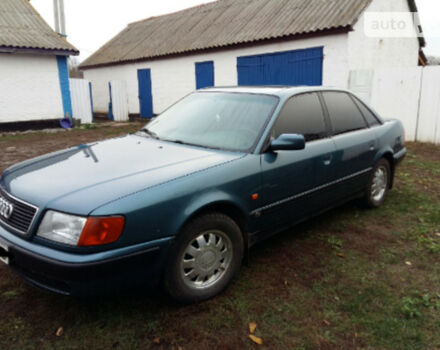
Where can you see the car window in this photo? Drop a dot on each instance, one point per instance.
(369, 116)
(229, 121)
(343, 113)
(303, 115)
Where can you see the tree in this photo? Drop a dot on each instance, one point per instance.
(74, 71)
(433, 61)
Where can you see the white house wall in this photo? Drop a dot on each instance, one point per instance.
(375, 53)
(29, 88)
(173, 78)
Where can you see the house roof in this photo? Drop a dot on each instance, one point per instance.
(23, 29)
(224, 23)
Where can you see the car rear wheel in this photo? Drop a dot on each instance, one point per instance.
(204, 259)
(379, 184)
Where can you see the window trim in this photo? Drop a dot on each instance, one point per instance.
(333, 134)
(326, 124)
(357, 101)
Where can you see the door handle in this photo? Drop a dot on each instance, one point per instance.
(372, 147)
(328, 159)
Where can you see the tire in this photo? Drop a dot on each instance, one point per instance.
(379, 184)
(205, 257)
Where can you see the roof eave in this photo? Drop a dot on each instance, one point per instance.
(423, 60)
(413, 8)
(36, 50)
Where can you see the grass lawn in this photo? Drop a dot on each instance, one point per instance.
(349, 279)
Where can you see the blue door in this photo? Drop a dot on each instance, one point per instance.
(110, 104)
(204, 74)
(299, 67)
(91, 99)
(145, 95)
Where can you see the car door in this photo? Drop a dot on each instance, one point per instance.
(292, 179)
(355, 143)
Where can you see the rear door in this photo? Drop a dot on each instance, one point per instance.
(355, 143)
(292, 179)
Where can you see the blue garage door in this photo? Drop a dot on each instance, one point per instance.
(299, 67)
(204, 74)
(145, 95)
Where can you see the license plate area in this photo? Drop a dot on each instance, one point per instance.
(4, 252)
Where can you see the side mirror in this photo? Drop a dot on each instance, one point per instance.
(288, 142)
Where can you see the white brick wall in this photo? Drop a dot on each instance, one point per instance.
(29, 88)
(174, 78)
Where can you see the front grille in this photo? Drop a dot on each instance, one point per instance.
(22, 215)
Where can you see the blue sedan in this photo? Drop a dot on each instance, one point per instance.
(179, 203)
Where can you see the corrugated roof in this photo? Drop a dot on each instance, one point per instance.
(224, 23)
(21, 27)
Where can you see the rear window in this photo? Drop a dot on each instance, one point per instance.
(369, 116)
(344, 115)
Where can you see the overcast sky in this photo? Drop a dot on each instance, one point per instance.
(91, 23)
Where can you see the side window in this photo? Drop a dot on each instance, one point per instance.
(371, 118)
(344, 114)
(302, 114)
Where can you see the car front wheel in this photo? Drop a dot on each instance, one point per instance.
(204, 259)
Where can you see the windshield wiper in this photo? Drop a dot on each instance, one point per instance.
(150, 133)
(180, 142)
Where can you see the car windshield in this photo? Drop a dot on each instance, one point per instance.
(229, 121)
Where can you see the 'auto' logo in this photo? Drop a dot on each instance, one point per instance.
(6, 208)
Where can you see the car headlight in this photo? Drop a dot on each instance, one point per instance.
(80, 231)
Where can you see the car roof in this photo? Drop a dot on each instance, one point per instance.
(276, 90)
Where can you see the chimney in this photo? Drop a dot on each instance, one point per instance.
(60, 19)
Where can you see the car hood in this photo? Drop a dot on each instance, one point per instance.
(82, 178)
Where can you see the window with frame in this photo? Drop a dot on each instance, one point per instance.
(302, 114)
(344, 115)
(369, 116)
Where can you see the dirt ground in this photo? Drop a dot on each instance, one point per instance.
(24, 145)
(349, 279)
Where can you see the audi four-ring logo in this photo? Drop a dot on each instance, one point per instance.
(6, 208)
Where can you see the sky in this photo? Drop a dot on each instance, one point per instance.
(91, 23)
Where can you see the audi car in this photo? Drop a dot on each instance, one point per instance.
(178, 204)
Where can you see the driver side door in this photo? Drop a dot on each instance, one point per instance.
(292, 179)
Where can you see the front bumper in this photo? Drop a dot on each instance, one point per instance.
(84, 274)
